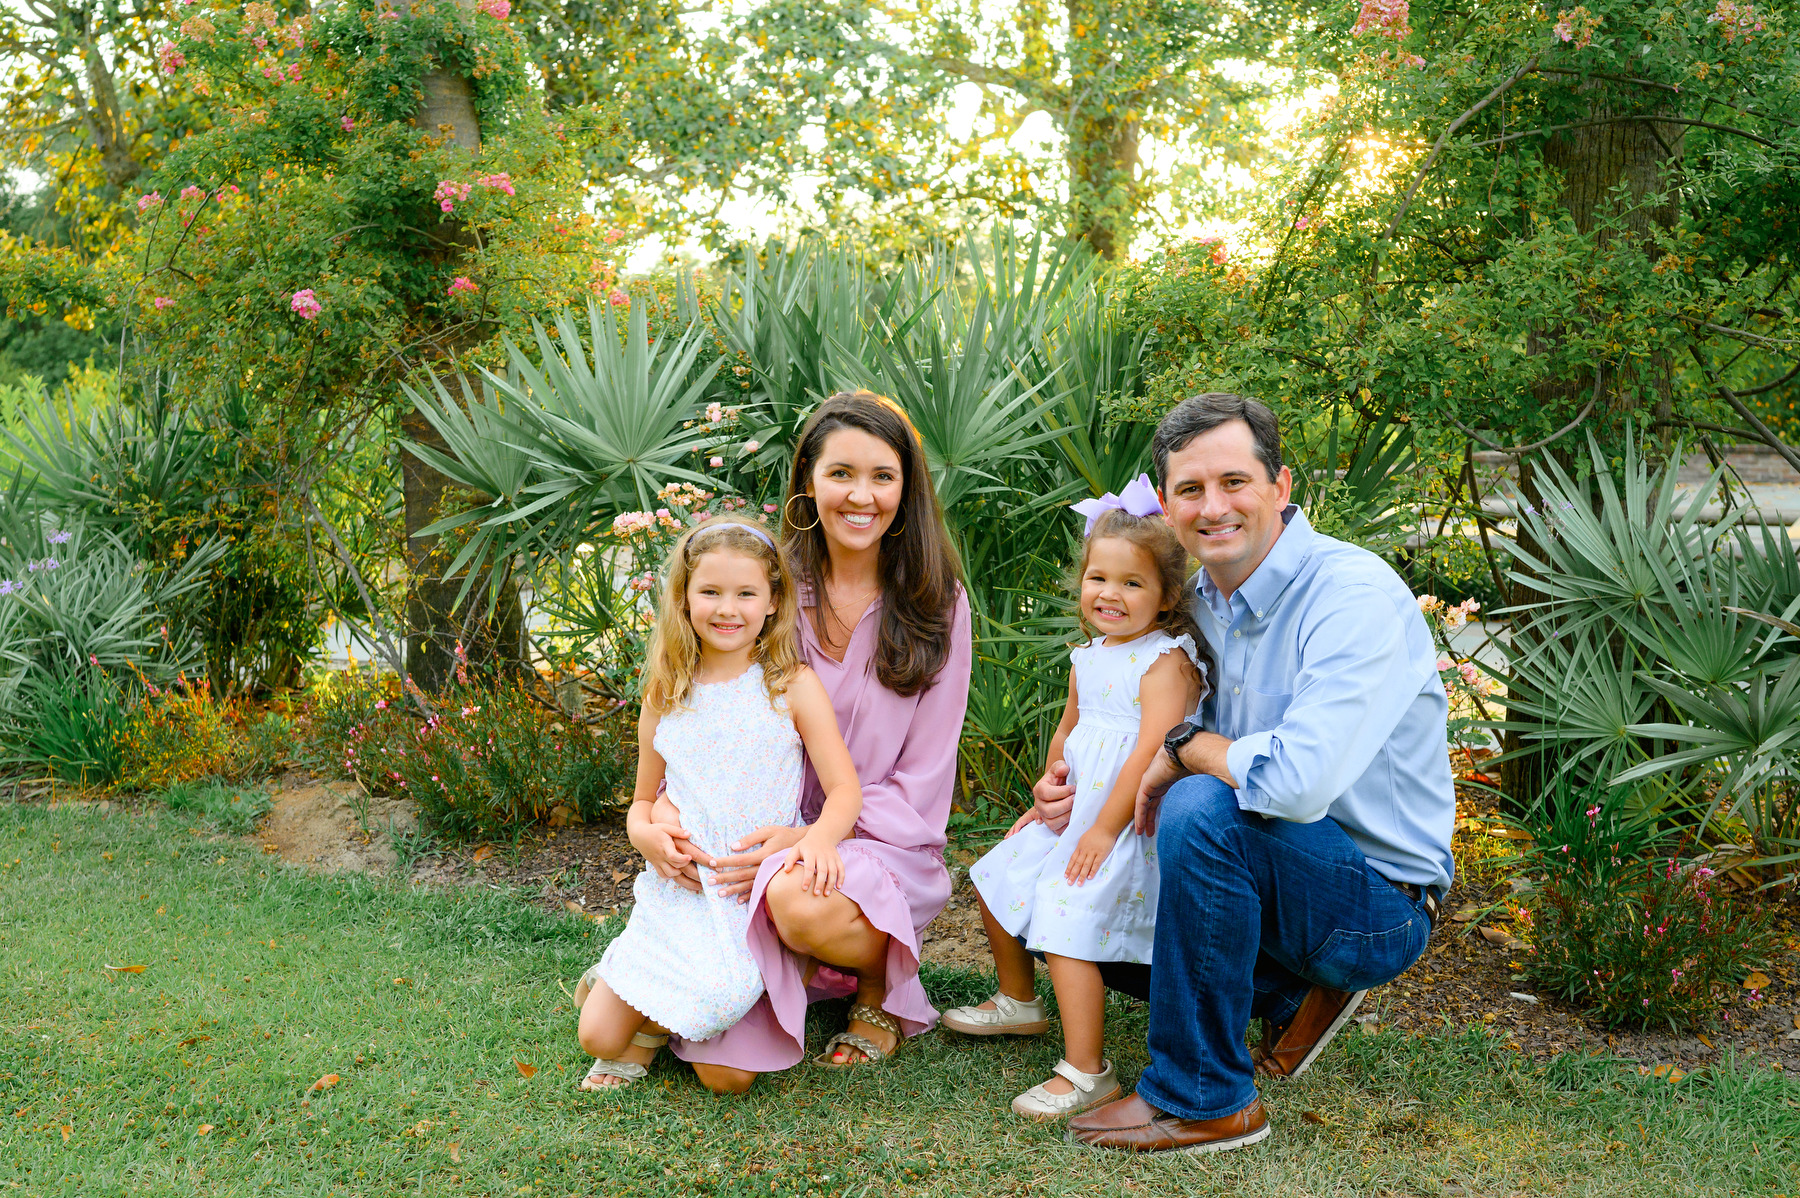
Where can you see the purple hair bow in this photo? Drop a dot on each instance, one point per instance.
(1138, 498)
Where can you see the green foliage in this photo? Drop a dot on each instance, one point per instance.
(490, 760)
(233, 809)
(1620, 927)
(69, 726)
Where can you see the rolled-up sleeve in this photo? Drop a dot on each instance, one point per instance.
(1355, 680)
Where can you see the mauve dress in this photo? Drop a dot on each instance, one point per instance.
(904, 750)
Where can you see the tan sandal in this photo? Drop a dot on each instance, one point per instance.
(626, 1071)
(584, 985)
(873, 1054)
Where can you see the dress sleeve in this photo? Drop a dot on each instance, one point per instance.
(910, 808)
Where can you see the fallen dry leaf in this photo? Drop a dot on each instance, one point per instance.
(1510, 833)
(193, 1040)
(204, 1128)
(527, 1070)
(1496, 936)
(575, 907)
(619, 875)
(482, 853)
(1797, 1021)
(126, 968)
(402, 981)
(324, 1083)
(1313, 1117)
(67, 1131)
(455, 1153)
(1466, 914)
(1668, 1073)
(1701, 1036)
(1758, 980)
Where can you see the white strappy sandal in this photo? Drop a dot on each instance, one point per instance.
(626, 1071)
(1091, 1089)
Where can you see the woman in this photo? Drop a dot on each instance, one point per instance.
(886, 627)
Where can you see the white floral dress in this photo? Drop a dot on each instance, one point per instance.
(1112, 915)
(733, 765)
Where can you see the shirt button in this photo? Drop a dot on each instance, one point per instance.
(1239, 632)
(1259, 615)
(1236, 690)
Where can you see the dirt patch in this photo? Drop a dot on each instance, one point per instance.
(332, 827)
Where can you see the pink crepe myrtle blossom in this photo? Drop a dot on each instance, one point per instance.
(617, 298)
(499, 182)
(163, 301)
(260, 42)
(306, 304)
(497, 9)
(612, 235)
(461, 283)
(1735, 20)
(147, 202)
(170, 58)
(1383, 18)
(348, 125)
(190, 192)
(449, 193)
(1577, 26)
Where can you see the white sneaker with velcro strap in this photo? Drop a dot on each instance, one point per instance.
(1010, 1017)
(1091, 1089)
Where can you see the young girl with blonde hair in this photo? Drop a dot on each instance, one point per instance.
(728, 707)
(1088, 894)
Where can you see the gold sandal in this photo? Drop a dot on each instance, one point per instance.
(626, 1071)
(873, 1054)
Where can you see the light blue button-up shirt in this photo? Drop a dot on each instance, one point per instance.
(1327, 684)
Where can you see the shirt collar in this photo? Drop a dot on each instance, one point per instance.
(1271, 577)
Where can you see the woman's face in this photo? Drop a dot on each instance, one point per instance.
(857, 485)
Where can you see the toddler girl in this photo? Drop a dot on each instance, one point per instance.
(1089, 894)
(727, 707)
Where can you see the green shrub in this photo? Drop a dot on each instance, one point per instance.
(490, 760)
(1619, 925)
(230, 808)
(73, 729)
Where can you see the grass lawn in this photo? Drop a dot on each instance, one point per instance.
(193, 1076)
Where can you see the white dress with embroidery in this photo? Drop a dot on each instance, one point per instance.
(1112, 915)
(733, 765)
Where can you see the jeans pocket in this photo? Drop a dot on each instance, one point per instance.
(1350, 960)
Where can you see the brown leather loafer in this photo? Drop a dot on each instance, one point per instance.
(1322, 1014)
(1133, 1125)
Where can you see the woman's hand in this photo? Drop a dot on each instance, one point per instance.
(734, 875)
(816, 857)
(1053, 798)
(1030, 817)
(1091, 852)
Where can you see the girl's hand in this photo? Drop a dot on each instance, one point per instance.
(1030, 817)
(817, 859)
(733, 876)
(1091, 852)
(664, 848)
(664, 812)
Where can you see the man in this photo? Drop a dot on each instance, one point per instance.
(1305, 812)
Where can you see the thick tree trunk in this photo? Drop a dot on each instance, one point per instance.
(433, 629)
(1103, 135)
(1594, 161)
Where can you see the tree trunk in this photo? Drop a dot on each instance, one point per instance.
(1593, 161)
(492, 639)
(1103, 132)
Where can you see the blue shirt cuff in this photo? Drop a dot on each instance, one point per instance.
(1240, 756)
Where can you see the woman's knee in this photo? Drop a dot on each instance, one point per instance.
(722, 1079)
(798, 915)
(1197, 810)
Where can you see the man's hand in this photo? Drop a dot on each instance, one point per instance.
(1053, 798)
(1159, 775)
(734, 875)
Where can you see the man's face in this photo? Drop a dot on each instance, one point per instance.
(1221, 504)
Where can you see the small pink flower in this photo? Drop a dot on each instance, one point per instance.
(461, 283)
(306, 304)
(146, 202)
(163, 301)
(381, 705)
(615, 297)
(348, 125)
(449, 192)
(260, 42)
(662, 512)
(769, 507)
(170, 58)
(612, 235)
(499, 182)
(752, 446)
(715, 463)
(497, 9)
(190, 192)
(92, 660)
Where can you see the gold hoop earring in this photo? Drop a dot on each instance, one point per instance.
(896, 532)
(789, 516)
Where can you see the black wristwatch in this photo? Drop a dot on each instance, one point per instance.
(1178, 736)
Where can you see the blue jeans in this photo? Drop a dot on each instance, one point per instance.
(1253, 913)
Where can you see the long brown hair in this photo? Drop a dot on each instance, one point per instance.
(919, 567)
(1157, 539)
(675, 647)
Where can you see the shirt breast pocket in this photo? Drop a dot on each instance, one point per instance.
(1262, 710)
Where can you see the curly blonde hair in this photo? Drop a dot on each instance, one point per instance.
(675, 647)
